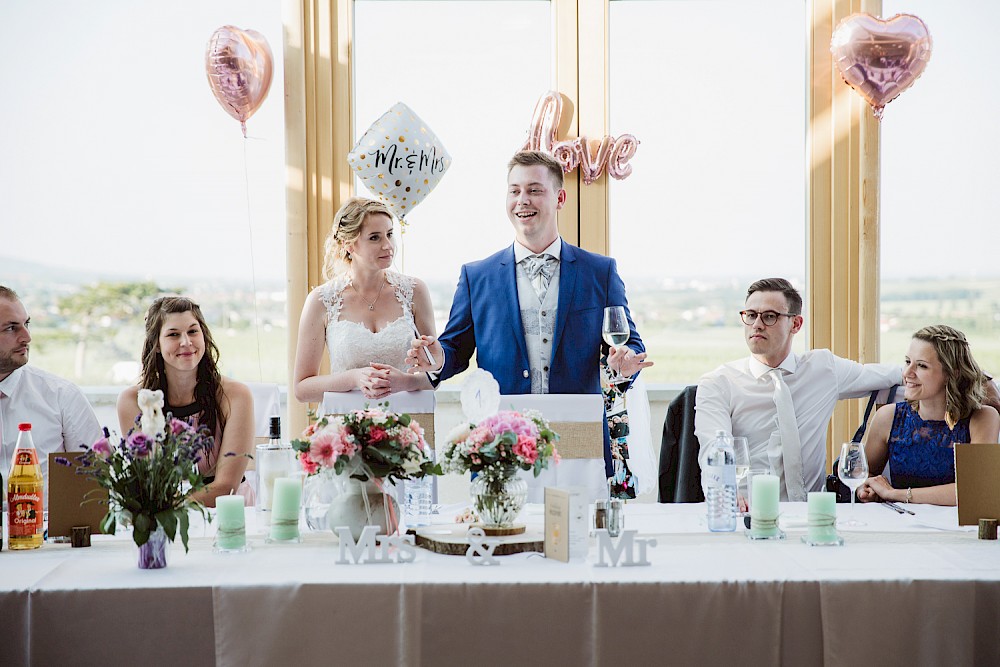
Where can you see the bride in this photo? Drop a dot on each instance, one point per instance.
(365, 314)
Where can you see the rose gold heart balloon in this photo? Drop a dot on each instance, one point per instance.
(239, 69)
(880, 59)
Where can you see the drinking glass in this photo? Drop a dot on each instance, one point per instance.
(853, 471)
(615, 332)
(741, 457)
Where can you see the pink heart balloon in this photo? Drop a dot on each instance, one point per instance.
(880, 59)
(239, 68)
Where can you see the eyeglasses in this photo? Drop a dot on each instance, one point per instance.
(768, 317)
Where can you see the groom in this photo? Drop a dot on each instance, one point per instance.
(533, 312)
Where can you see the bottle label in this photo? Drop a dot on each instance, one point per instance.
(25, 513)
(25, 457)
(721, 475)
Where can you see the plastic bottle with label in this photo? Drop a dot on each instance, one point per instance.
(720, 492)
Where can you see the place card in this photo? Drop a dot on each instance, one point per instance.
(566, 530)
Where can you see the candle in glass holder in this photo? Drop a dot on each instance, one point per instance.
(285, 509)
(764, 506)
(230, 512)
(822, 518)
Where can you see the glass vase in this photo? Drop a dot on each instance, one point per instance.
(498, 497)
(319, 493)
(153, 554)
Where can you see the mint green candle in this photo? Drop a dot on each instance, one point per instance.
(764, 506)
(230, 512)
(822, 516)
(285, 509)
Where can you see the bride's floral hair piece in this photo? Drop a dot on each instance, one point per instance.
(347, 223)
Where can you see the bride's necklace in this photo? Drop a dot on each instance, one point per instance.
(371, 306)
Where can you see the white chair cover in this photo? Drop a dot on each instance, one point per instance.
(585, 474)
(266, 404)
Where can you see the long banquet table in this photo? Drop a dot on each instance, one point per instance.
(912, 590)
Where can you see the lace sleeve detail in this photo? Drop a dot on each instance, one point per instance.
(331, 294)
(403, 287)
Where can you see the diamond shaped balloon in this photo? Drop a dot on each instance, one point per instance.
(399, 159)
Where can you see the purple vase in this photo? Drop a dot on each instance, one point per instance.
(153, 554)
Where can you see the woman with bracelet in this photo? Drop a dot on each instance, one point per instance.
(944, 390)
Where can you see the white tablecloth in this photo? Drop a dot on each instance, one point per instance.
(902, 587)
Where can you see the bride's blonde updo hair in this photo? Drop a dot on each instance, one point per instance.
(964, 391)
(347, 223)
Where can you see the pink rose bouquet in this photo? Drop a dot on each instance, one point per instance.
(369, 443)
(502, 443)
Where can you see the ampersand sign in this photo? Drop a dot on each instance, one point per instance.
(480, 551)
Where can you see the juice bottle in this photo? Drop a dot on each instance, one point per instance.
(25, 494)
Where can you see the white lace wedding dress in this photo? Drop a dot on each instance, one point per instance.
(353, 345)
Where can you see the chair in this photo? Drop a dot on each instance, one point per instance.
(579, 419)
(680, 473)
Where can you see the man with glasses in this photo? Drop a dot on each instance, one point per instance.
(780, 401)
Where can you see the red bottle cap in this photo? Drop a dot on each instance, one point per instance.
(24, 427)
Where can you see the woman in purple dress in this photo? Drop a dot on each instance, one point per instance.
(945, 393)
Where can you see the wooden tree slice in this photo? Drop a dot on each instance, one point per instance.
(451, 540)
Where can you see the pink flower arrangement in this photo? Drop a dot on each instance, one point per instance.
(366, 443)
(501, 443)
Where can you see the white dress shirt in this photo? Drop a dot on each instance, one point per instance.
(60, 416)
(738, 398)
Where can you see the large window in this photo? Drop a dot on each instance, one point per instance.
(473, 72)
(123, 177)
(715, 92)
(940, 198)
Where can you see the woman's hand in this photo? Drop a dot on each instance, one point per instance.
(380, 380)
(875, 489)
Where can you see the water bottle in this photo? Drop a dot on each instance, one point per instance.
(720, 494)
(419, 496)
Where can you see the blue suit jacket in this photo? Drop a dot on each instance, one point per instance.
(486, 319)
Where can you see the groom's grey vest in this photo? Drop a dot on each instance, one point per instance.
(538, 318)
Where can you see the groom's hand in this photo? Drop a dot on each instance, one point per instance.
(627, 362)
(425, 355)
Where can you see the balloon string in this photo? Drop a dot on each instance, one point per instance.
(253, 268)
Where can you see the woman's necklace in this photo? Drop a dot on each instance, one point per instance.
(371, 306)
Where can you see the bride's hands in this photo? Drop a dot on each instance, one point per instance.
(380, 380)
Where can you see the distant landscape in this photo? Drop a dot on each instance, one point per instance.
(88, 326)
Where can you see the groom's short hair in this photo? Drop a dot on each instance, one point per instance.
(533, 158)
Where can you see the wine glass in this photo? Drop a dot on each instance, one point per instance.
(853, 471)
(615, 332)
(741, 457)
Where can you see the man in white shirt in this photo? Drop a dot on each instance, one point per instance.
(60, 416)
(745, 397)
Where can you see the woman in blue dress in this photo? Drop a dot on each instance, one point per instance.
(945, 393)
